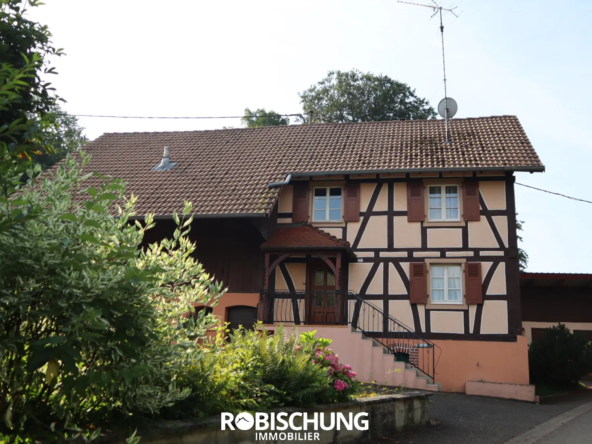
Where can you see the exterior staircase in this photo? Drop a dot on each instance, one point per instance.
(372, 361)
(381, 349)
(386, 370)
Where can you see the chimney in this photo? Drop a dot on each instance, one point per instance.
(165, 164)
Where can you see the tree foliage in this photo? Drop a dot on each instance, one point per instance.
(560, 357)
(63, 136)
(89, 322)
(25, 98)
(522, 254)
(254, 371)
(261, 117)
(21, 42)
(363, 97)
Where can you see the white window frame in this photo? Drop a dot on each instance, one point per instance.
(446, 300)
(327, 198)
(443, 202)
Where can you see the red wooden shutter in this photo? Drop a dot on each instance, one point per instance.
(474, 283)
(415, 202)
(471, 210)
(300, 202)
(418, 288)
(351, 207)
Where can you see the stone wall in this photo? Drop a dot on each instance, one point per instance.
(387, 415)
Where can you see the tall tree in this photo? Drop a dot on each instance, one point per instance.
(261, 117)
(363, 97)
(63, 136)
(25, 99)
(522, 254)
(20, 40)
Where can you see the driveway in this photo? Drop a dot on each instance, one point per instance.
(462, 419)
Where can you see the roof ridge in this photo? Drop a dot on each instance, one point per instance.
(270, 127)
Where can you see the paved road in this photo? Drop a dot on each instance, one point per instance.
(462, 419)
(577, 431)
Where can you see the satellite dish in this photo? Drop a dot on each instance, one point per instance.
(452, 107)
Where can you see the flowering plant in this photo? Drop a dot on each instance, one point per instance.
(343, 382)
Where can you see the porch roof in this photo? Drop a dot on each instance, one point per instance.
(303, 238)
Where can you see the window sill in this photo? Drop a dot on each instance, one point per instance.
(445, 223)
(446, 305)
(329, 224)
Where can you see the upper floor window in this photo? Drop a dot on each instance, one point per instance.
(443, 203)
(327, 205)
(446, 284)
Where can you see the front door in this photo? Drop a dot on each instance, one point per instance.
(321, 300)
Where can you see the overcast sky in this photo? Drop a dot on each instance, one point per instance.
(214, 58)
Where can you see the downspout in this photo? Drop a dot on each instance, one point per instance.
(279, 184)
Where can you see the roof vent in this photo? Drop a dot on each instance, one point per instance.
(165, 164)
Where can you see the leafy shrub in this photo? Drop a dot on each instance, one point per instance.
(559, 357)
(255, 371)
(343, 384)
(88, 320)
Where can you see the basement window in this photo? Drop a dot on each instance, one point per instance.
(327, 205)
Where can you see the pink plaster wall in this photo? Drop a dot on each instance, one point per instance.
(463, 361)
(459, 362)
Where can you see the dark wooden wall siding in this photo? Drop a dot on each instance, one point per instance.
(556, 304)
(228, 248)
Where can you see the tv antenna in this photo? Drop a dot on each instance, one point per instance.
(447, 107)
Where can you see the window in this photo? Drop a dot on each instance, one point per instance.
(327, 204)
(443, 203)
(446, 284)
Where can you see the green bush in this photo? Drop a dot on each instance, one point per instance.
(254, 371)
(89, 322)
(560, 357)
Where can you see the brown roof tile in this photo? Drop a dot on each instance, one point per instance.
(305, 236)
(228, 171)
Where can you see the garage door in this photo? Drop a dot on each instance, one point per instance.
(245, 316)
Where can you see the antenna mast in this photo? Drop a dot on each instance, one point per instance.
(438, 10)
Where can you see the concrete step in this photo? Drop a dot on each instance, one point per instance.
(381, 367)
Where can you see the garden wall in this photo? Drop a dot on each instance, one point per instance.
(387, 414)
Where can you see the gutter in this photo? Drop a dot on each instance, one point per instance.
(344, 172)
(279, 184)
(204, 216)
(532, 169)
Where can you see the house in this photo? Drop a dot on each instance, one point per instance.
(550, 298)
(399, 247)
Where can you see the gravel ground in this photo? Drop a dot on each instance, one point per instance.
(462, 419)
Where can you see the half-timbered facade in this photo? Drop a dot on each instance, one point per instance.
(398, 246)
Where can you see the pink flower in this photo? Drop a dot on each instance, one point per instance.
(298, 347)
(351, 374)
(347, 367)
(340, 385)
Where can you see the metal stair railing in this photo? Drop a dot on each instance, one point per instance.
(396, 337)
(364, 317)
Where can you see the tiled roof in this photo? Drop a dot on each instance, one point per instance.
(306, 237)
(226, 172)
